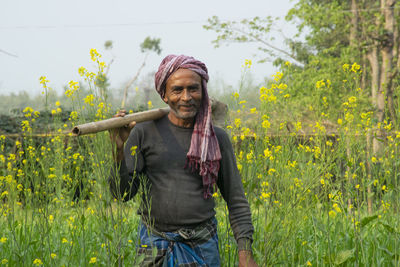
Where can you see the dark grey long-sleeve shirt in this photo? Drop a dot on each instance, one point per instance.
(157, 149)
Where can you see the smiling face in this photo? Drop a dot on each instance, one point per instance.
(183, 94)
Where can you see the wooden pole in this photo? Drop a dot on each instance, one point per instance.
(104, 125)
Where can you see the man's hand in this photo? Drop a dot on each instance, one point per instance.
(119, 136)
(246, 259)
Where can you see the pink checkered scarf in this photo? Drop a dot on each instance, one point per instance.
(204, 154)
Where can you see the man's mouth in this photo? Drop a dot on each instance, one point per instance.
(186, 107)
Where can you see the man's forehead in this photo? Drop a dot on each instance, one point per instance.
(184, 74)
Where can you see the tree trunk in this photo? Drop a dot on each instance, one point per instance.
(387, 62)
(365, 73)
(354, 24)
(375, 74)
(375, 82)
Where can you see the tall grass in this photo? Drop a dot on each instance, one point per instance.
(308, 187)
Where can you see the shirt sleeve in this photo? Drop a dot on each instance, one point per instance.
(231, 187)
(124, 177)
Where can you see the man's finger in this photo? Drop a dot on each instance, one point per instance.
(132, 124)
(120, 113)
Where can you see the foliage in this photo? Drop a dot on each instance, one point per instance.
(248, 30)
(313, 63)
(151, 44)
(326, 23)
(108, 45)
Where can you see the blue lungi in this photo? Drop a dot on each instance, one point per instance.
(183, 248)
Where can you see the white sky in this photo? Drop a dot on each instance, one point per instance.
(53, 37)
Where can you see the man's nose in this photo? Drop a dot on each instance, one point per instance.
(186, 96)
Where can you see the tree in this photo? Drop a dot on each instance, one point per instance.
(336, 32)
(147, 46)
(250, 30)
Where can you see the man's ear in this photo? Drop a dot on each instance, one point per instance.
(165, 99)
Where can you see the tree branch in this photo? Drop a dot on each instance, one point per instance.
(7, 53)
(267, 44)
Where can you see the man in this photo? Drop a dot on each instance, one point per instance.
(183, 159)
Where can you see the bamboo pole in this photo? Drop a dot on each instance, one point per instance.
(104, 125)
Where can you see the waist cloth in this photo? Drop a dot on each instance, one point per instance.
(183, 248)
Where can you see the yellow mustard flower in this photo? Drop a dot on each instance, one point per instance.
(38, 262)
(133, 150)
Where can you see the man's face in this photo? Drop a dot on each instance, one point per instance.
(183, 94)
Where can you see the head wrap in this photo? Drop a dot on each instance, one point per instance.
(204, 154)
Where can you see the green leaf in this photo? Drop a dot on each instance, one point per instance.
(154, 252)
(343, 256)
(389, 228)
(367, 220)
(139, 259)
(33, 242)
(388, 252)
(109, 237)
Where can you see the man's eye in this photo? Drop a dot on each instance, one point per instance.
(194, 88)
(177, 89)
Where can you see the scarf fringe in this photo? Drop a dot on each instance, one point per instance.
(208, 170)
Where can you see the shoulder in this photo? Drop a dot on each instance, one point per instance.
(220, 133)
(146, 127)
(222, 136)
